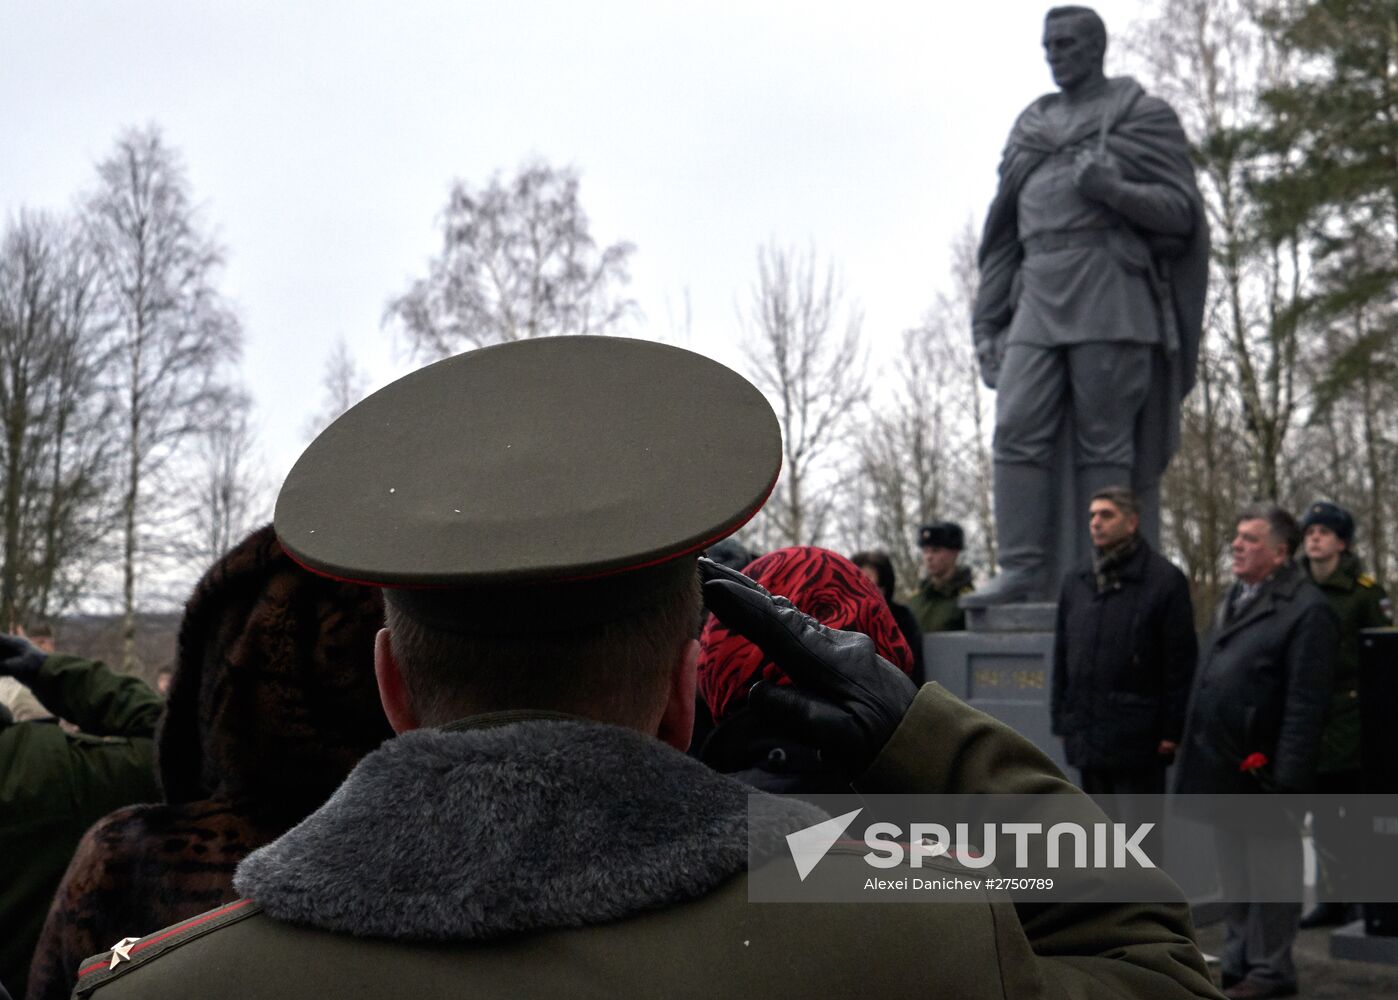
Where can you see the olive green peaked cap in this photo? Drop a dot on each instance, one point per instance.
(557, 481)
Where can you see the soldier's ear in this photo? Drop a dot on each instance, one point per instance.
(677, 721)
(393, 688)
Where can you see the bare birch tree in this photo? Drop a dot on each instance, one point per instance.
(803, 350)
(1348, 449)
(1202, 490)
(174, 331)
(342, 384)
(902, 455)
(517, 261)
(924, 452)
(53, 415)
(229, 495)
(1212, 62)
(974, 403)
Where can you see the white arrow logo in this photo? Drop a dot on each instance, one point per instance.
(808, 846)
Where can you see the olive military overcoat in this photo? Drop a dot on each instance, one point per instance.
(55, 784)
(614, 867)
(1360, 602)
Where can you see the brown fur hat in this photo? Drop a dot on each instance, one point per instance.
(273, 700)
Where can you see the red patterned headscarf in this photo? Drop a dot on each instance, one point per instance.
(826, 586)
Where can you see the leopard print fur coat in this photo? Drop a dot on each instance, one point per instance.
(272, 704)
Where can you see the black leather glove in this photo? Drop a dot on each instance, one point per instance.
(20, 659)
(845, 699)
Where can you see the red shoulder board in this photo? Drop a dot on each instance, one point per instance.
(131, 953)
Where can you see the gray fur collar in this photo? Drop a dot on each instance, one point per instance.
(500, 828)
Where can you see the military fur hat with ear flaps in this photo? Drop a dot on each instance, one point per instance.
(942, 535)
(273, 700)
(1332, 516)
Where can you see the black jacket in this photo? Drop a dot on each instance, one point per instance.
(1123, 661)
(1263, 686)
(744, 747)
(907, 624)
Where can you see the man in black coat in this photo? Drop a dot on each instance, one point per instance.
(1123, 655)
(1255, 721)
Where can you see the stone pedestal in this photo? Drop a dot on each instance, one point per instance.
(1013, 618)
(1002, 665)
(1353, 943)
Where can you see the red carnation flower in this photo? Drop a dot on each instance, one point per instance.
(1253, 762)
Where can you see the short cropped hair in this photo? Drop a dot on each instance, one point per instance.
(1121, 498)
(1096, 29)
(882, 566)
(616, 672)
(1280, 524)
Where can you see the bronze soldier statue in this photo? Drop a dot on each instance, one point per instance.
(1093, 264)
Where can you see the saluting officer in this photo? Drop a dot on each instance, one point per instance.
(533, 512)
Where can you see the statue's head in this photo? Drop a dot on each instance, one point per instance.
(1075, 42)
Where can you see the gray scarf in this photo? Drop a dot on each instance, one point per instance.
(1107, 562)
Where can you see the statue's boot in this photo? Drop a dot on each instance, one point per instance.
(1023, 506)
(1092, 478)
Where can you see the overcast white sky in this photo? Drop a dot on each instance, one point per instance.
(321, 138)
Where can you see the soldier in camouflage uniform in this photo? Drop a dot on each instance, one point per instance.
(935, 603)
(1360, 602)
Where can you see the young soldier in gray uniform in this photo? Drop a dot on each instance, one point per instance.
(533, 512)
